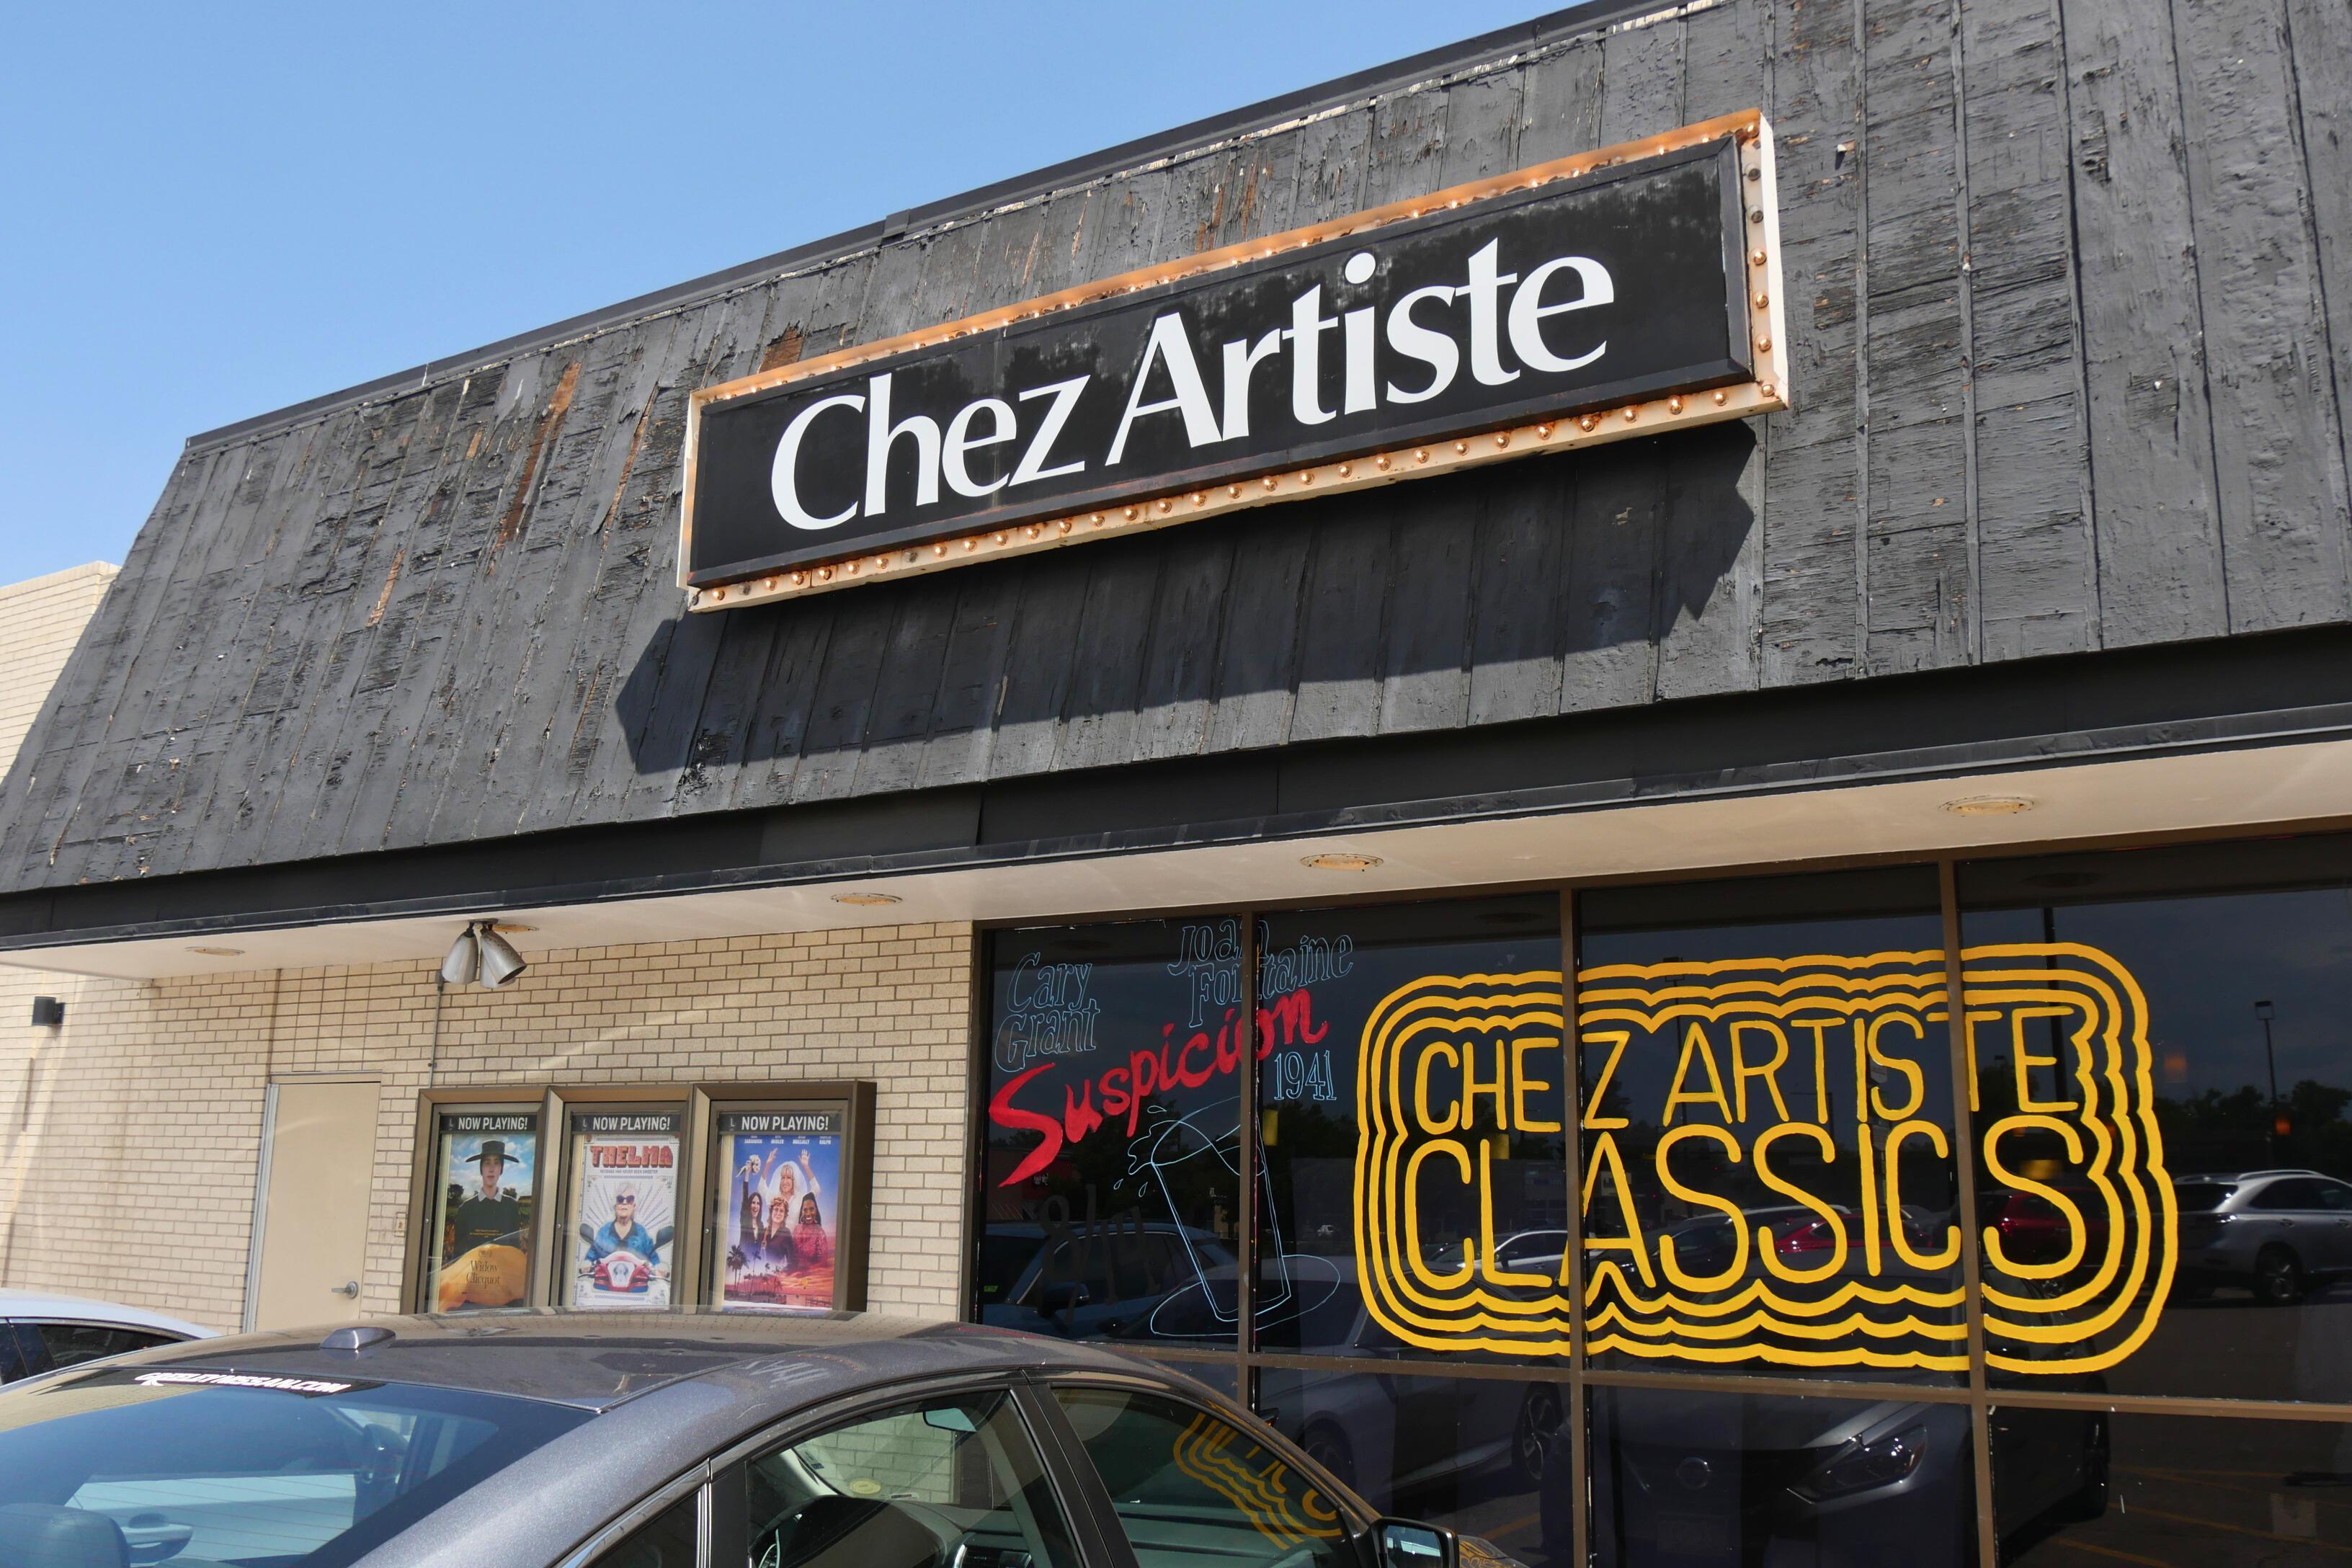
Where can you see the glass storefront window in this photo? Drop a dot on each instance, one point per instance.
(1221, 1373)
(1411, 1108)
(2080, 1486)
(1768, 1132)
(1112, 1187)
(1684, 1479)
(485, 1176)
(2158, 1119)
(2162, 1067)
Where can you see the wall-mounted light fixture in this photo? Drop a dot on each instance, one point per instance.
(48, 1013)
(481, 954)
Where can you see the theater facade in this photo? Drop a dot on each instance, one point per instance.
(1615, 765)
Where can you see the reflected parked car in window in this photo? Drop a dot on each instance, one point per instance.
(2275, 1232)
(1089, 1281)
(2032, 1229)
(1380, 1433)
(41, 1332)
(1706, 1243)
(1683, 1479)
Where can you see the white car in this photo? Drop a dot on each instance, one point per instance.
(41, 1332)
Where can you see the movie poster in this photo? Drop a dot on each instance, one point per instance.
(781, 1181)
(485, 1173)
(624, 1208)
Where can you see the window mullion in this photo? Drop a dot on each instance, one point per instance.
(1964, 1176)
(1579, 1465)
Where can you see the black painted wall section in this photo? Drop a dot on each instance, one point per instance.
(2071, 296)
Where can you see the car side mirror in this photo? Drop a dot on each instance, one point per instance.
(1409, 1543)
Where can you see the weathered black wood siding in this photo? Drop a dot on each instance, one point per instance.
(2071, 296)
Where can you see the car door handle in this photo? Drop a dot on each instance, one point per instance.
(350, 1288)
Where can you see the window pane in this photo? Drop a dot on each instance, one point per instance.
(2163, 1065)
(666, 1540)
(252, 1477)
(1684, 1479)
(484, 1176)
(21, 1351)
(1411, 1073)
(1114, 1117)
(70, 1345)
(1191, 1489)
(1768, 1127)
(954, 1481)
(1486, 1456)
(2074, 1487)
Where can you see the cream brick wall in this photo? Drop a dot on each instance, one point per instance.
(133, 1132)
(40, 620)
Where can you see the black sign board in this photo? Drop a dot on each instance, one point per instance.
(1544, 295)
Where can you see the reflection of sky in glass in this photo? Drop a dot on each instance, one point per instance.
(1795, 939)
(2204, 962)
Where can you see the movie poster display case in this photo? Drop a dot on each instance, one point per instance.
(783, 1215)
(634, 1197)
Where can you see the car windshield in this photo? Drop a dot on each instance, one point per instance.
(2200, 1197)
(199, 1468)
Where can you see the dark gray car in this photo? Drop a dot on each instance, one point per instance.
(663, 1441)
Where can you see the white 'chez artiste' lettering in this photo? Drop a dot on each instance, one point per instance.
(1430, 343)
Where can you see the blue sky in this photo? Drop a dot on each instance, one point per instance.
(214, 211)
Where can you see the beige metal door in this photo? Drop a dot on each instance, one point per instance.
(310, 1229)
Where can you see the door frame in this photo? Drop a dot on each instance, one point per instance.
(259, 1231)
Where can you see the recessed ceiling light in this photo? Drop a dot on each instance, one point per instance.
(1340, 860)
(219, 952)
(1989, 805)
(866, 901)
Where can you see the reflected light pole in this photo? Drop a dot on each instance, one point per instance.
(2265, 1011)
